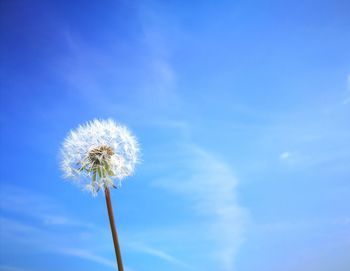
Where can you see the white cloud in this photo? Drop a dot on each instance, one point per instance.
(31, 204)
(87, 255)
(41, 239)
(21, 204)
(210, 185)
(110, 82)
(285, 155)
(157, 253)
(293, 158)
(25, 217)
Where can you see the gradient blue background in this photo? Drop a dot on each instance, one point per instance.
(242, 110)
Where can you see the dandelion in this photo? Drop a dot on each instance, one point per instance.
(97, 155)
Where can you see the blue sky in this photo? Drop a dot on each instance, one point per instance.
(242, 110)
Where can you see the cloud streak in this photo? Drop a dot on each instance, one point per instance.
(87, 255)
(210, 186)
(158, 253)
(30, 219)
(18, 204)
(45, 210)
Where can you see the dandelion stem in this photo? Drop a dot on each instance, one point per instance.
(114, 230)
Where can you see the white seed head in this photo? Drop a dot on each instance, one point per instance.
(99, 153)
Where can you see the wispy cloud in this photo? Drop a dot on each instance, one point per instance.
(139, 247)
(44, 209)
(293, 158)
(106, 80)
(210, 185)
(25, 215)
(41, 239)
(207, 182)
(285, 155)
(31, 219)
(87, 255)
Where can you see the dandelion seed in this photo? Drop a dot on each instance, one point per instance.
(99, 153)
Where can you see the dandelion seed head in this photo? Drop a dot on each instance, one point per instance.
(99, 153)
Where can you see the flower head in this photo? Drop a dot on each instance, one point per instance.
(100, 151)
